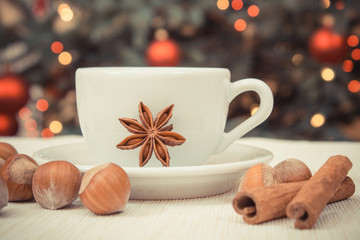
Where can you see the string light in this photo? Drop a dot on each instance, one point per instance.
(65, 12)
(222, 4)
(352, 41)
(240, 25)
(327, 74)
(253, 11)
(237, 4)
(317, 120)
(55, 126)
(65, 58)
(355, 54)
(42, 105)
(347, 66)
(354, 86)
(61, 7)
(325, 4)
(57, 47)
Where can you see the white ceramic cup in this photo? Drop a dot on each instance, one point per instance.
(201, 98)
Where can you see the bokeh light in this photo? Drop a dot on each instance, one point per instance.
(42, 105)
(297, 59)
(65, 12)
(317, 120)
(339, 5)
(47, 133)
(161, 34)
(55, 126)
(253, 11)
(30, 124)
(237, 4)
(25, 113)
(325, 4)
(65, 58)
(355, 54)
(240, 25)
(57, 47)
(254, 108)
(354, 86)
(222, 4)
(352, 41)
(347, 66)
(327, 74)
(33, 133)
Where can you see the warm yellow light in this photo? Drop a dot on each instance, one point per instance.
(161, 34)
(327, 74)
(254, 109)
(325, 4)
(65, 58)
(65, 12)
(55, 126)
(317, 120)
(222, 4)
(62, 7)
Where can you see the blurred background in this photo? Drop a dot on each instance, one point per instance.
(307, 51)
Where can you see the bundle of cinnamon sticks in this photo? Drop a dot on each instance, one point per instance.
(291, 191)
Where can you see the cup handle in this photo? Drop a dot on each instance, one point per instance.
(265, 108)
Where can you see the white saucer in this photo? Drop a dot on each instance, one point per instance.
(216, 175)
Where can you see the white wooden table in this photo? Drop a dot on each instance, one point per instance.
(200, 218)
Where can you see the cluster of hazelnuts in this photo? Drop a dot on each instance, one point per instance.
(104, 189)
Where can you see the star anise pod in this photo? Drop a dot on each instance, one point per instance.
(151, 135)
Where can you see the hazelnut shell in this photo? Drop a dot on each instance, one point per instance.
(105, 189)
(6, 150)
(56, 184)
(18, 171)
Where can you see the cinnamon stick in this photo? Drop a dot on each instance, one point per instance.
(262, 204)
(317, 191)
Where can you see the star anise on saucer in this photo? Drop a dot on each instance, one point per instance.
(151, 135)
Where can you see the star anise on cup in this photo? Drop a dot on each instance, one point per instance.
(151, 135)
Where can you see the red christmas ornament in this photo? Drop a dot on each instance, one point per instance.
(8, 124)
(13, 93)
(327, 46)
(163, 53)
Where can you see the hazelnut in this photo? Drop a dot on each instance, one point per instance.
(105, 189)
(6, 150)
(56, 184)
(18, 171)
(259, 175)
(2, 162)
(292, 170)
(4, 193)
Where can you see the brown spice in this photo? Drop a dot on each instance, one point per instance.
(316, 193)
(262, 204)
(151, 135)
